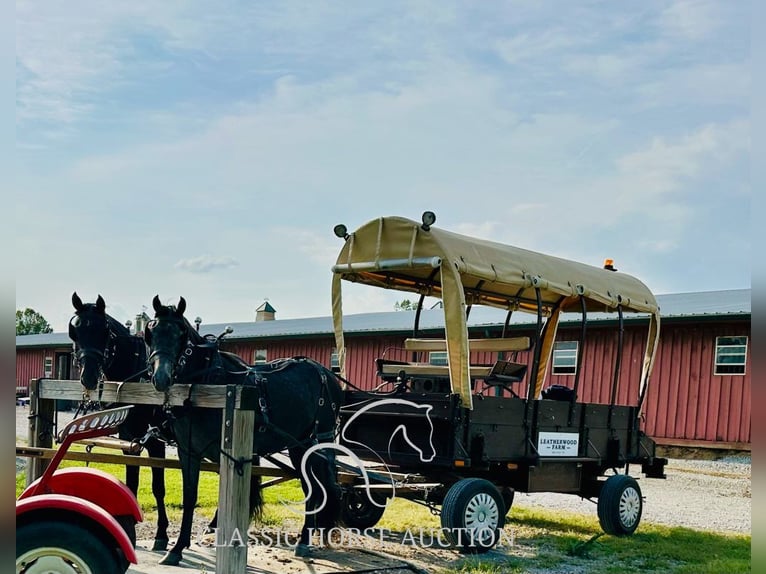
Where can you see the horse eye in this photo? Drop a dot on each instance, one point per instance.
(76, 322)
(151, 325)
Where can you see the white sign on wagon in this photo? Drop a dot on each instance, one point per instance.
(558, 444)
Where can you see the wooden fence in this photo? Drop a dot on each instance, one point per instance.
(238, 404)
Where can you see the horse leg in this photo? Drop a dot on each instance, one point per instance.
(327, 473)
(156, 448)
(131, 475)
(213, 523)
(190, 469)
(303, 548)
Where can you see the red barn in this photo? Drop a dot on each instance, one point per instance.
(700, 392)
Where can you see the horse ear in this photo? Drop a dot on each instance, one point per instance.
(76, 301)
(156, 304)
(181, 306)
(100, 304)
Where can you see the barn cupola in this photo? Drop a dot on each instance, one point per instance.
(265, 312)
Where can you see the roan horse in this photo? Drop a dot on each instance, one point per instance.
(300, 402)
(105, 349)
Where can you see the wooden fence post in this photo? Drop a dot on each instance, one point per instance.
(41, 415)
(234, 488)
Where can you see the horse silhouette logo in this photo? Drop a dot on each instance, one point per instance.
(421, 443)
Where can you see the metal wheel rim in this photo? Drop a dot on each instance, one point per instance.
(482, 517)
(630, 506)
(45, 560)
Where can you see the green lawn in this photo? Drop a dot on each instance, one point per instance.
(541, 539)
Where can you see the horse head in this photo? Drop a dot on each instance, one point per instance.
(166, 336)
(89, 331)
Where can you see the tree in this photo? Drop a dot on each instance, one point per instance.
(405, 305)
(30, 322)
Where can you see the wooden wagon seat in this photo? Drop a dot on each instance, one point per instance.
(501, 371)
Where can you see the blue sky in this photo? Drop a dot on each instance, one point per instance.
(206, 149)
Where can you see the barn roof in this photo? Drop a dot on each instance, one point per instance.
(695, 305)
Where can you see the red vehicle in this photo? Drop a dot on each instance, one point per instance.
(77, 520)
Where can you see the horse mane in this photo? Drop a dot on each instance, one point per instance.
(117, 328)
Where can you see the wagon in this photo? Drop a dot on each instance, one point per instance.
(463, 436)
(77, 519)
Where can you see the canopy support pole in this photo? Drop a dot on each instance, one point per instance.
(580, 353)
(617, 364)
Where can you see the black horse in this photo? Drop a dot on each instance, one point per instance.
(105, 349)
(300, 401)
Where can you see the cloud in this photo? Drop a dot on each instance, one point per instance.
(692, 19)
(206, 264)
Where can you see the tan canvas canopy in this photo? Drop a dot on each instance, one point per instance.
(398, 253)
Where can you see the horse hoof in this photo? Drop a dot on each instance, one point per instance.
(302, 550)
(170, 559)
(160, 544)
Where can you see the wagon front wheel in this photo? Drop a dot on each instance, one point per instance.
(620, 505)
(473, 513)
(358, 511)
(62, 548)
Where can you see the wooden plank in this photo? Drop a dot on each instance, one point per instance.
(234, 491)
(499, 345)
(111, 442)
(122, 459)
(424, 369)
(211, 396)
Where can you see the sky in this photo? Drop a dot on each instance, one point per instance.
(207, 149)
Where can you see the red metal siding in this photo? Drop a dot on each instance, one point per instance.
(685, 399)
(30, 364)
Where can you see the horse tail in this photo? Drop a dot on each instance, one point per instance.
(256, 499)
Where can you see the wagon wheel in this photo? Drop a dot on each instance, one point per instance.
(620, 505)
(472, 514)
(357, 511)
(62, 548)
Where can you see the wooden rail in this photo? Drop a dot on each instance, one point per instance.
(123, 459)
(238, 404)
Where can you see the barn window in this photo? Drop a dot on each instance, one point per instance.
(730, 355)
(48, 367)
(564, 358)
(259, 357)
(437, 358)
(334, 362)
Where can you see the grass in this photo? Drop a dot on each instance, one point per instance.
(542, 539)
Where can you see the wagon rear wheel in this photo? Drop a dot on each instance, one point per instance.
(620, 505)
(358, 511)
(55, 547)
(473, 514)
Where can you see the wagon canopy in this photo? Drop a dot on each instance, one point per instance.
(398, 253)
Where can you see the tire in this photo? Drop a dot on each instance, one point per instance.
(128, 524)
(620, 505)
(63, 548)
(508, 495)
(357, 511)
(473, 515)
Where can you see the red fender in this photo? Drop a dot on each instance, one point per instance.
(97, 486)
(43, 504)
